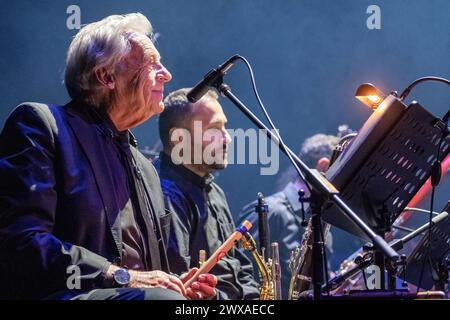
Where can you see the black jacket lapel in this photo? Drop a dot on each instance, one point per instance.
(89, 136)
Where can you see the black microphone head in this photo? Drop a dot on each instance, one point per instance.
(209, 80)
(203, 86)
(197, 92)
(191, 99)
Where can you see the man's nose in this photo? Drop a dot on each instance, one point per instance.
(164, 75)
(226, 137)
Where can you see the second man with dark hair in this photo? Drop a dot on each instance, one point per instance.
(195, 144)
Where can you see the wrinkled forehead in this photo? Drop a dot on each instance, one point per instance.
(143, 46)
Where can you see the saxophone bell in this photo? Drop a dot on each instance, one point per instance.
(268, 287)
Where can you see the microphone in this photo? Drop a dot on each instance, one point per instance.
(210, 79)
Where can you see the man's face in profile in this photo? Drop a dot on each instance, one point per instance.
(207, 116)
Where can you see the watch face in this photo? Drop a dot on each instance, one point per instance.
(122, 277)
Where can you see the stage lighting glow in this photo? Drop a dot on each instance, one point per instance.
(369, 95)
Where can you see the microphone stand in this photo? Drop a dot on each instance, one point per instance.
(322, 192)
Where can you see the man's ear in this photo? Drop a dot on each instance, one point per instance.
(323, 164)
(105, 79)
(172, 143)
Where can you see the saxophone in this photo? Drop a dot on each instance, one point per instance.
(300, 263)
(270, 287)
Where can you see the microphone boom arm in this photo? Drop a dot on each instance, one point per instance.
(321, 185)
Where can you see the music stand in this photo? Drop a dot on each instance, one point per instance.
(363, 261)
(385, 165)
(436, 261)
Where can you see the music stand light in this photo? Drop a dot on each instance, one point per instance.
(369, 95)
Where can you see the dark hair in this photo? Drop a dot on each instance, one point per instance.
(313, 149)
(176, 110)
(176, 114)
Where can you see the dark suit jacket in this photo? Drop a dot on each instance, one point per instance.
(57, 207)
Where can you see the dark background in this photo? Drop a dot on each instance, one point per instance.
(308, 58)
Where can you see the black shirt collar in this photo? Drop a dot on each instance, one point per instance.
(107, 127)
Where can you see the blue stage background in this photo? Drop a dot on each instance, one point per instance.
(308, 58)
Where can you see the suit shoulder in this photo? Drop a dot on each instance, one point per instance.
(218, 188)
(42, 110)
(47, 114)
(170, 188)
(44, 119)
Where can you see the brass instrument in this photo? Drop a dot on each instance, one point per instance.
(299, 280)
(300, 263)
(276, 270)
(270, 286)
(268, 262)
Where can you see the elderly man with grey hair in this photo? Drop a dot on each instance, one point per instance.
(81, 210)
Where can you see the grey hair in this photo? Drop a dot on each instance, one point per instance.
(101, 44)
(177, 109)
(316, 147)
(313, 149)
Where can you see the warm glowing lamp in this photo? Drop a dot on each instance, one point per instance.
(368, 94)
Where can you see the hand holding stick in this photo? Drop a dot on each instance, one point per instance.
(220, 252)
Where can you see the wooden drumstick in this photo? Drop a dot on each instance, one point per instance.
(220, 252)
(201, 257)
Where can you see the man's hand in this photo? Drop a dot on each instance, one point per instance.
(151, 279)
(156, 279)
(203, 288)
